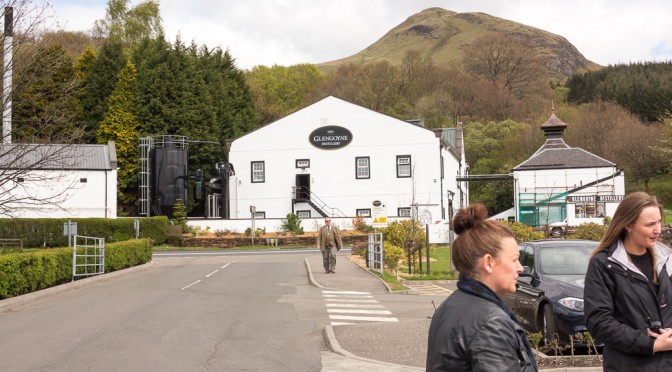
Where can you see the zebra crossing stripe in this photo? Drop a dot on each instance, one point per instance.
(365, 318)
(360, 305)
(355, 311)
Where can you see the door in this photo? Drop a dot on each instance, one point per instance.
(303, 187)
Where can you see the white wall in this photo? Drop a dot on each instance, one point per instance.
(332, 172)
(97, 197)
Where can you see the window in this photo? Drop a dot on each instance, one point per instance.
(82, 180)
(259, 215)
(404, 212)
(20, 179)
(303, 163)
(258, 172)
(403, 166)
(362, 170)
(303, 214)
(364, 213)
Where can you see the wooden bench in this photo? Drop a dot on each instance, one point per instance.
(11, 244)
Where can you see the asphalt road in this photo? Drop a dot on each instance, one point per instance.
(212, 313)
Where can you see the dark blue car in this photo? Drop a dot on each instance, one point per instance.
(549, 295)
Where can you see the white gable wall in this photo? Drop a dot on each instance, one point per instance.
(333, 172)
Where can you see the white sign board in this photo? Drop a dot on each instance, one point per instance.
(439, 233)
(379, 215)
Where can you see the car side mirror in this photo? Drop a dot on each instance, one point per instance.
(526, 272)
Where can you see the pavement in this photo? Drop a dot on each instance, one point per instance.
(384, 346)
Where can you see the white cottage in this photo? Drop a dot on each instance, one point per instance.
(334, 158)
(58, 181)
(560, 182)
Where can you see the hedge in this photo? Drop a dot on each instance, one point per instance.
(48, 232)
(22, 273)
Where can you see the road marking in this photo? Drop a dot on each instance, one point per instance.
(198, 281)
(428, 289)
(224, 267)
(365, 318)
(355, 311)
(356, 305)
(207, 276)
(360, 304)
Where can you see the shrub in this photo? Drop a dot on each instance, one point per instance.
(292, 224)
(392, 256)
(590, 231)
(524, 233)
(360, 224)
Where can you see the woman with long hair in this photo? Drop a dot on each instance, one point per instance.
(628, 291)
(473, 330)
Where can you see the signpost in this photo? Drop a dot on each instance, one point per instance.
(253, 211)
(379, 214)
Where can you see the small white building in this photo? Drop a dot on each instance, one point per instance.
(58, 181)
(560, 182)
(334, 158)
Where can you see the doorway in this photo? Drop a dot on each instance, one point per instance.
(303, 187)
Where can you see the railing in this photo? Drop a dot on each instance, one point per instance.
(88, 256)
(304, 194)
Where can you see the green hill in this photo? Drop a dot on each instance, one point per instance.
(440, 34)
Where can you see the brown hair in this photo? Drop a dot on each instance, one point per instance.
(478, 236)
(627, 213)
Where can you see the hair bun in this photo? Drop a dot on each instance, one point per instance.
(467, 218)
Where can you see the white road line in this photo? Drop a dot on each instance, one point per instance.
(365, 318)
(345, 292)
(198, 281)
(357, 301)
(340, 323)
(355, 311)
(224, 267)
(357, 305)
(345, 296)
(207, 276)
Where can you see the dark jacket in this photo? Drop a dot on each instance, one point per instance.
(471, 333)
(620, 305)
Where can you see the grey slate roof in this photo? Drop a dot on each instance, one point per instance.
(58, 156)
(556, 154)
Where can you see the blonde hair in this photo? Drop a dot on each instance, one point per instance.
(478, 236)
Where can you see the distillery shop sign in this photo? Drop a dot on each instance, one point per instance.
(330, 137)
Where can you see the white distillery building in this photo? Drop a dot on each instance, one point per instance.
(334, 158)
(58, 181)
(560, 182)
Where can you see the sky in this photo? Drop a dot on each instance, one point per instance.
(288, 32)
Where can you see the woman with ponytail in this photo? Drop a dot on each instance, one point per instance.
(473, 330)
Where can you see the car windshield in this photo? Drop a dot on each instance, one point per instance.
(565, 260)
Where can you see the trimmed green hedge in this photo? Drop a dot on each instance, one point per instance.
(22, 273)
(48, 232)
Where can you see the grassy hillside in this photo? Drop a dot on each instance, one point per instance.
(440, 34)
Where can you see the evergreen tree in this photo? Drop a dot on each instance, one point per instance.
(122, 126)
(46, 107)
(99, 85)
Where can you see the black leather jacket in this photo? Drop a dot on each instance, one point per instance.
(620, 305)
(470, 333)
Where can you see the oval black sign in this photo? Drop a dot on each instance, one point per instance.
(330, 137)
(377, 203)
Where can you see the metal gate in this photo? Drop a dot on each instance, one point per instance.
(88, 256)
(374, 252)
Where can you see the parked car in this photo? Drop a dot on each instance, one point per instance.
(558, 229)
(549, 295)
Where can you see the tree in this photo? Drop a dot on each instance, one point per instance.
(99, 84)
(279, 91)
(122, 126)
(128, 26)
(46, 105)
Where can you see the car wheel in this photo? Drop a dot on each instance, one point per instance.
(556, 232)
(548, 324)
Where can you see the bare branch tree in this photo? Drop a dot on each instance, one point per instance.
(34, 171)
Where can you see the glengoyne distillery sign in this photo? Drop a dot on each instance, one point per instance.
(330, 137)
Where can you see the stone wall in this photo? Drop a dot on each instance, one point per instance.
(307, 241)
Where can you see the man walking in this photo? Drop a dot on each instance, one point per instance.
(329, 241)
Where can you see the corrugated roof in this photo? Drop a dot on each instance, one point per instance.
(58, 156)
